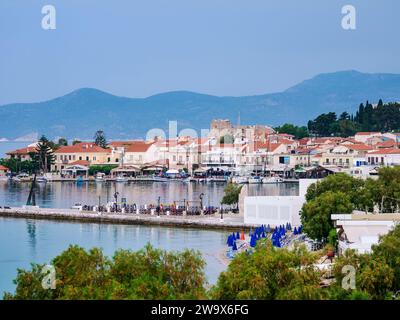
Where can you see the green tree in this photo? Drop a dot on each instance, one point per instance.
(76, 142)
(297, 132)
(316, 213)
(145, 274)
(336, 182)
(270, 273)
(44, 154)
(324, 125)
(100, 139)
(62, 142)
(106, 169)
(377, 274)
(388, 250)
(231, 194)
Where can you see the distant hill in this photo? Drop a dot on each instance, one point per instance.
(80, 113)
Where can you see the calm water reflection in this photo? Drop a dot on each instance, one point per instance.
(23, 241)
(65, 194)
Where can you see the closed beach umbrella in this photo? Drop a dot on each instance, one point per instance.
(234, 248)
(237, 235)
(242, 235)
(263, 234)
(295, 230)
(252, 242)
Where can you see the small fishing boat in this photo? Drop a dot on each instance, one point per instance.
(255, 180)
(100, 177)
(77, 206)
(41, 179)
(270, 180)
(121, 179)
(22, 177)
(159, 179)
(240, 179)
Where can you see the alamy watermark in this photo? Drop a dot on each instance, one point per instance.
(349, 18)
(49, 279)
(49, 21)
(349, 280)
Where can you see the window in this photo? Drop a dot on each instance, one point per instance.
(174, 158)
(87, 158)
(73, 157)
(108, 159)
(94, 158)
(80, 158)
(69, 157)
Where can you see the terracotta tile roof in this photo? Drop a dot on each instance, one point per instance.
(360, 147)
(385, 151)
(125, 143)
(80, 162)
(82, 147)
(3, 168)
(138, 147)
(286, 141)
(387, 144)
(22, 151)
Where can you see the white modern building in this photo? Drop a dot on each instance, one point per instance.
(276, 210)
(360, 230)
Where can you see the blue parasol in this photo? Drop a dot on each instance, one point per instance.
(234, 248)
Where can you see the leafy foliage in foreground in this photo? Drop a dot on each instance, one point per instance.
(341, 193)
(146, 274)
(270, 273)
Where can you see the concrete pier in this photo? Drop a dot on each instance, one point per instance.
(230, 222)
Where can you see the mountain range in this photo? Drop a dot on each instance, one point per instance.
(82, 112)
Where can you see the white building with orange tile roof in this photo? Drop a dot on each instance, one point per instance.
(83, 151)
(364, 136)
(384, 157)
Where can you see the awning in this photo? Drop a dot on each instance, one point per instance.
(126, 169)
(172, 171)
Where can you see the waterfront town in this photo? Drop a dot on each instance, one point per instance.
(244, 153)
(238, 154)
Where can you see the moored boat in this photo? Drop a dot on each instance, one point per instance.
(270, 180)
(121, 179)
(100, 177)
(240, 179)
(41, 179)
(255, 180)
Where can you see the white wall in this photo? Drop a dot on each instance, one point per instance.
(276, 210)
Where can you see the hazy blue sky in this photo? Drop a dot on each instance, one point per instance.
(223, 47)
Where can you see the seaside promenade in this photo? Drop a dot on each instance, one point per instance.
(229, 221)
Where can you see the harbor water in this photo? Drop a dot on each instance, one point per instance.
(23, 241)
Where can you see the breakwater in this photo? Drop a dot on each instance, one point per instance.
(229, 221)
